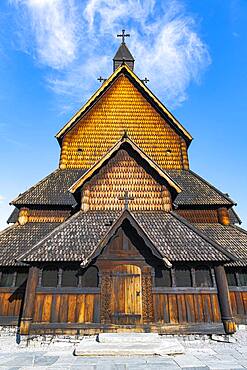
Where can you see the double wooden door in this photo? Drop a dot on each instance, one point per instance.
(126, 297)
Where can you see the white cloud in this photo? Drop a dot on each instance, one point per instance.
(53, 24)
(77, 39)
(1, 198)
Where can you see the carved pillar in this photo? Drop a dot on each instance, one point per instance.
(105, 299)
(224, 300)
(27, 314)
(147, 297)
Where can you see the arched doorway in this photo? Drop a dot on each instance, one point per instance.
(126, 295)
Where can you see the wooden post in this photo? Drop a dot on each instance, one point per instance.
(27, 314)
(224, 300)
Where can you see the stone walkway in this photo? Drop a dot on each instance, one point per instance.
(201, 353)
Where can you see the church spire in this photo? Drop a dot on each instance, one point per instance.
(123, 55)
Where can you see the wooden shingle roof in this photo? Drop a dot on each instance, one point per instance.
(232, 238)
(76, 238)
(17, 239)
(54, 190)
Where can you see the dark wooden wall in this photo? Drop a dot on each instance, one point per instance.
(238, 299)
(11, 301)
(66, 307)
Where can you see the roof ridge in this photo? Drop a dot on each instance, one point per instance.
(202, 235)
(213, 187)
(34, 186)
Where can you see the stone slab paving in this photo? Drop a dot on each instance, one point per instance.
(201, 353)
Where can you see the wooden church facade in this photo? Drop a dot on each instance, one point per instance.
(123, 236)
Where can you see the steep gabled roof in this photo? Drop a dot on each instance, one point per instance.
(124, 69)
(124, 142)
(123, 53)
(78, 238)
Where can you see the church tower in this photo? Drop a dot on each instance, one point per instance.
(123, 235)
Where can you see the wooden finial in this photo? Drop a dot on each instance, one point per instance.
(145, 81)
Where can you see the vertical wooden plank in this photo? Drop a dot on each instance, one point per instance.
(190, 309)
(240, 305)
(198, 308)
(244, 300)
(166, 308)
(63, 310)
(215, 308)
(181, 308)
(173, 308)
(56, 299)
(206, 308)
(233, 303)
(71, 307)
(46, 312)
(81, 308)
(96, 309)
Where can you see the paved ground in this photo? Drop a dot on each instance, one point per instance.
(199, 354)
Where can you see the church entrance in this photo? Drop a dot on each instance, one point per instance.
(126, 297)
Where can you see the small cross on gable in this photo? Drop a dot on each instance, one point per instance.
(123, 35)
(126, 199)
(145, 81)
(101, 79)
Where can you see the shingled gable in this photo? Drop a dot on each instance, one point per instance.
(124, 69)
(124, 142)
(127, 215)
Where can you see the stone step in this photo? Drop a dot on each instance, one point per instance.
(162, 348)
(129, 338)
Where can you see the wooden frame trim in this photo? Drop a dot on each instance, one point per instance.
(184, 290)
(68, 290)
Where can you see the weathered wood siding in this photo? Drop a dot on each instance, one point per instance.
(10, 304)
(122, 108)
(239, 305)
(123, 173)
(66, 308)
(179, 308)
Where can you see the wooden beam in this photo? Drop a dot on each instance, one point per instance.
(27, 315)
(224, 300)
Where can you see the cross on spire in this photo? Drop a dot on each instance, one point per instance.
(145, 81)
(123, 35)
(101, 79)
(126, 199)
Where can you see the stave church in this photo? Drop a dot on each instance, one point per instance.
(123, 236)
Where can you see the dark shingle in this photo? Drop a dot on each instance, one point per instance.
(196, 190)
(17, 239)
(13, 218)
(232, 238)
(77, 238)
(52, 190)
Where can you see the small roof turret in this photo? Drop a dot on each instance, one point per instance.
(123, 55)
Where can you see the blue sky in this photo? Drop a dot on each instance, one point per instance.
(193, 52)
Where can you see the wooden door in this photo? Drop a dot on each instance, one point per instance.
(126, 298)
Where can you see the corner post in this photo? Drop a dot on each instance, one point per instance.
(27, 314)
(224, 300)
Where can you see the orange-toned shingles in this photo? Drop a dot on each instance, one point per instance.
(122, 108)
(122, 173)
